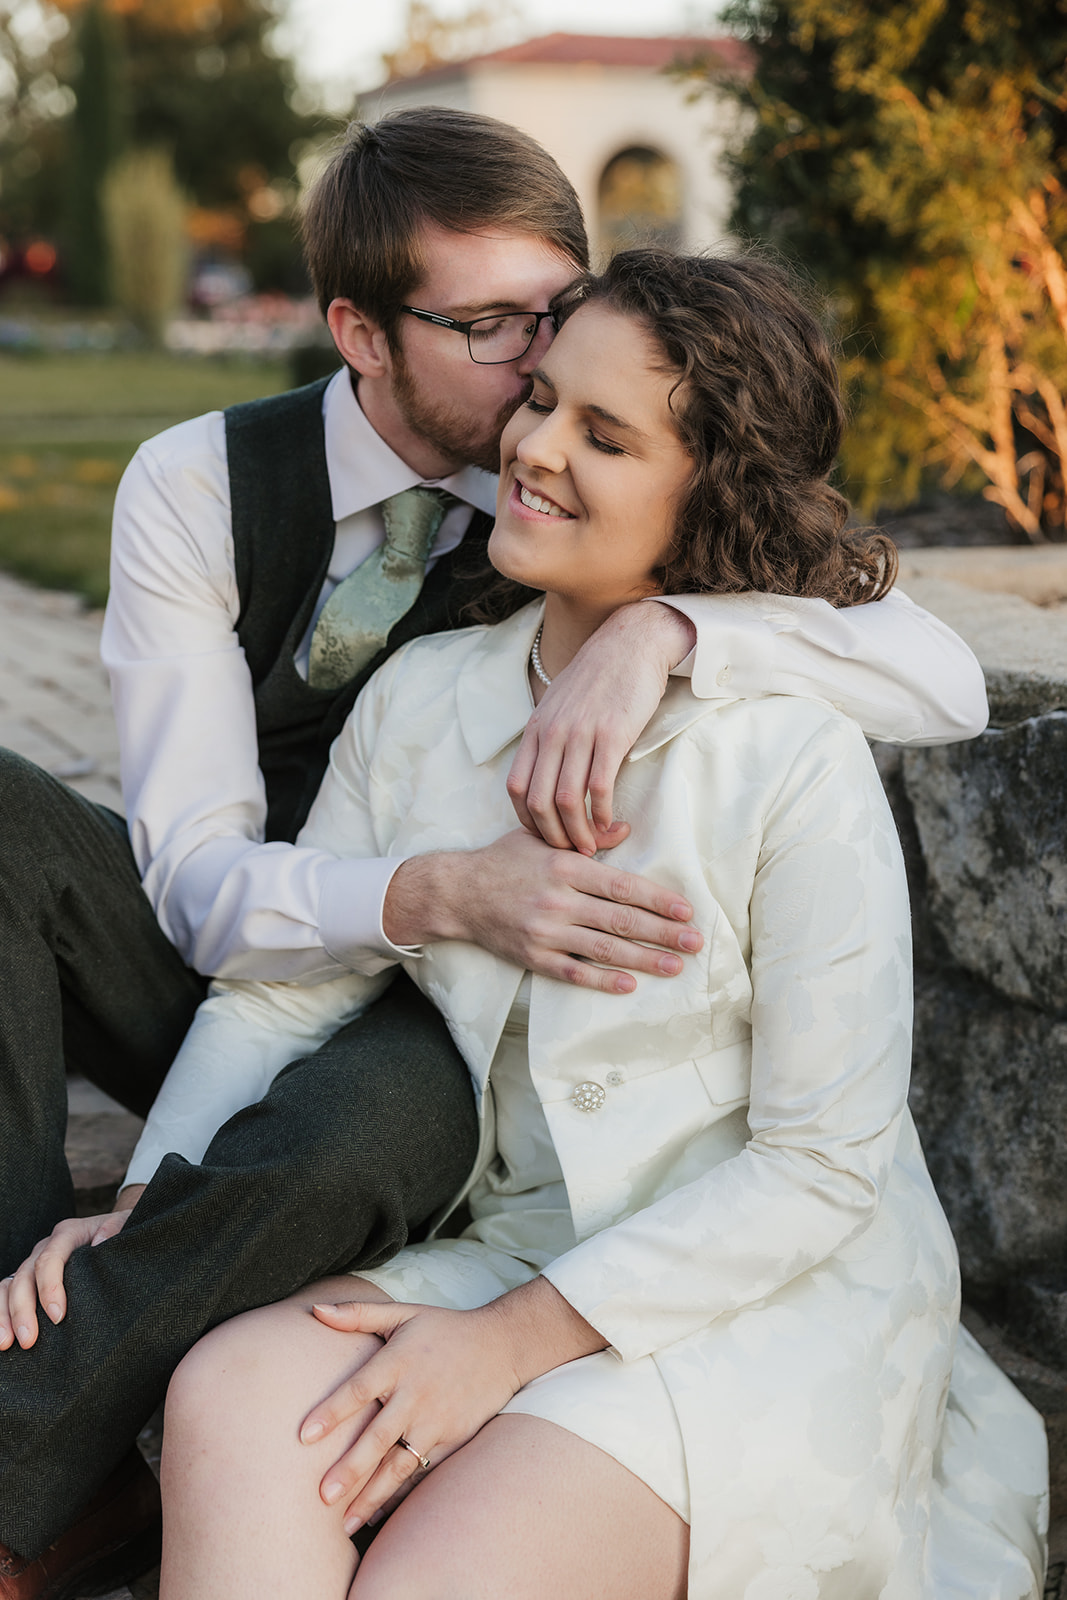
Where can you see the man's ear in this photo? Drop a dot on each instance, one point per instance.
(359, 339)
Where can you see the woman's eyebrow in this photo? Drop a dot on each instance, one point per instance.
(594, 410)
(614, 421)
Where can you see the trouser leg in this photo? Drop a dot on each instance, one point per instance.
(87, 981)
(349, 1151)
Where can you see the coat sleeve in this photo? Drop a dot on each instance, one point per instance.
(246, 1032)
(831, 1047)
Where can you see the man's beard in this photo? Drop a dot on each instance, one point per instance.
(445, 427)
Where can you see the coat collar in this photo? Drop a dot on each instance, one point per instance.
(494, 701)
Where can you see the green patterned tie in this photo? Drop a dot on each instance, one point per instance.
(355, 621)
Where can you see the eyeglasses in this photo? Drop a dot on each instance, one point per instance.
(491, 340)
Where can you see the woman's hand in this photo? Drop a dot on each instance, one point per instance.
(40, 1276)
(440, 1376)
(589, 720)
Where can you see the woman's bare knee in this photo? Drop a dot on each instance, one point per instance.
(237, 1373)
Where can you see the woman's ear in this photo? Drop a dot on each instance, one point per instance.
(359, 339)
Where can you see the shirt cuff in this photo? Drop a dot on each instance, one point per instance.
(351, 912)
(733, 658)
(142, 1169)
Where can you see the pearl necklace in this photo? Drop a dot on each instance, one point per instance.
(535, 657)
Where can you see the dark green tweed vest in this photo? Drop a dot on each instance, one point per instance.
(283, 533)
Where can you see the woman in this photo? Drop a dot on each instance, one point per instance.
(699, 1335)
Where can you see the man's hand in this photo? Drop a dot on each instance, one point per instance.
(589, 720)
(40, 1276)
(552, 911)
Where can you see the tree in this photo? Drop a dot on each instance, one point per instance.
(912, 154)
(205, 82)
(35, 98)
(200, 78)
(430, 38)
(145, 213)
(97, 129)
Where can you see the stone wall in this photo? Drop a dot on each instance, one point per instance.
(984, 829)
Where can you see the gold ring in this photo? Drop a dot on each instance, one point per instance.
(424, 1461)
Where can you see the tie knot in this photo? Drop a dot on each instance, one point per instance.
(412, 519)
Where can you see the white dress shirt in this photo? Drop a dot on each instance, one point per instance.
(194, 795)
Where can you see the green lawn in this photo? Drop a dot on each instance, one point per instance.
(69, 425)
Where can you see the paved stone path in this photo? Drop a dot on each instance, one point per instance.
(55, 706)
(55, 709)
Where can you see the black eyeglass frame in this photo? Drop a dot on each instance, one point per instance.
(438, 320)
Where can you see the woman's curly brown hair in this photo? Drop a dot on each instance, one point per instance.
(757, 405)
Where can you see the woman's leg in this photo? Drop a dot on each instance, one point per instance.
(243, 1517)
(528, 1510)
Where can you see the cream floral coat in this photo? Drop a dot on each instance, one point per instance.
(750, 1202)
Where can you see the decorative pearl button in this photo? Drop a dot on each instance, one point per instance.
(589, 1097)
(614, 1078)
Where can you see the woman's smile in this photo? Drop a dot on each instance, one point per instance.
(536, 501)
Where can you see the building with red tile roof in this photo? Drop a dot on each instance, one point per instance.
(644, 155)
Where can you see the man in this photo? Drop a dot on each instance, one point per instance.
(236, 650)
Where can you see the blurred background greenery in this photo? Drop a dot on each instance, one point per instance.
(911, 157)
(68, 426)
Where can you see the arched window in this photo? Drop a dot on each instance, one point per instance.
(640, 200)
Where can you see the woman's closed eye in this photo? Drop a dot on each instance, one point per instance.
(541, 408)
(604, 445)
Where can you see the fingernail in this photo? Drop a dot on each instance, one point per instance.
(625, 985)
(23, 1333)
(372, 1522)
(353, 1525)
(55, 1310)
(670, 965)
(312, 1431)
(681, 911)
(690, 941)
(332, 1492)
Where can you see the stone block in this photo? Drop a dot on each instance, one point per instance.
(991, 819)
(1022, 647)
(99, 1145)
(989, 1095)
(1037, 573)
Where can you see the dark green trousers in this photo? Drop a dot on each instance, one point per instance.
(351, 1151)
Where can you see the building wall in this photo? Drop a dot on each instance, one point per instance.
(585, 115)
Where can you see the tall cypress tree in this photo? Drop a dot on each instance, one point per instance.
(96, 137)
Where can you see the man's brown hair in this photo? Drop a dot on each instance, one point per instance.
(364, 216)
